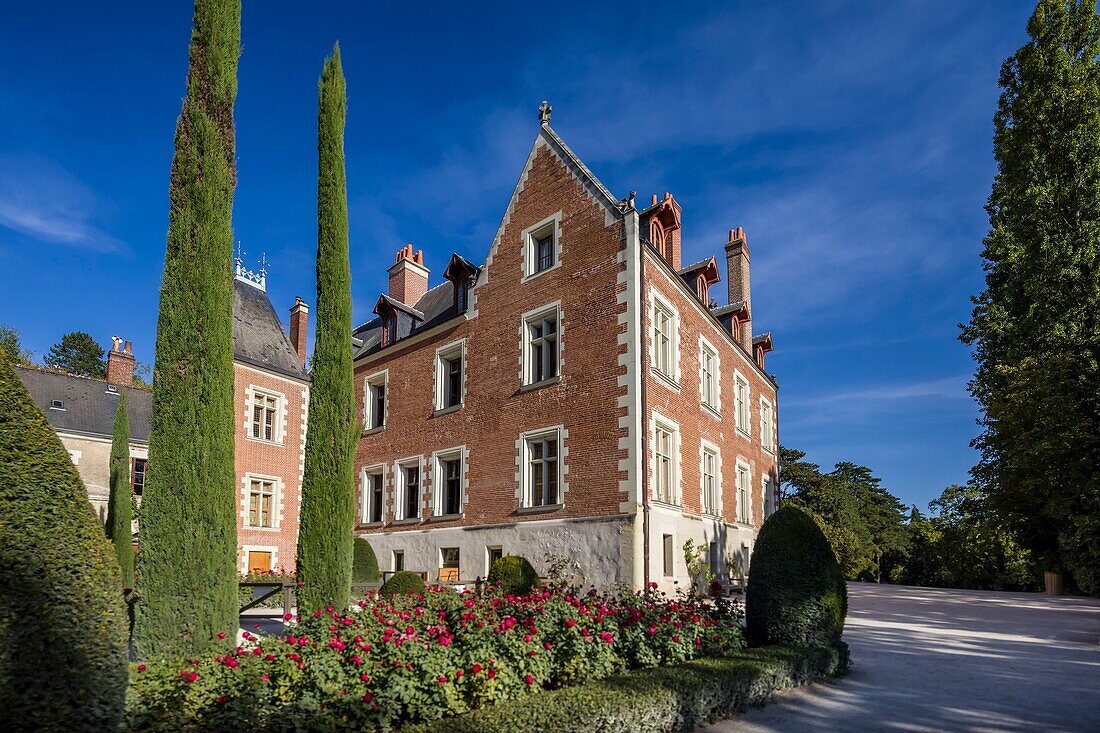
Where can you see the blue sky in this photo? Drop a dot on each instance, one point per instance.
(852, 141)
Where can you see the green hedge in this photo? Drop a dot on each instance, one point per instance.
(796, 592)
(403, 583)
(364, 564)
(657, 699)
(514, 574)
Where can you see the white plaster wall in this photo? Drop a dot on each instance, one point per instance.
(669, 520)
(600, 549)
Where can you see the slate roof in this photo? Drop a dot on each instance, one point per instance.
(89, 408)
(694, 266)
(731, 308)
(434, 307)
(258, 336)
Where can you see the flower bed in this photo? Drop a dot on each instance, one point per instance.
(409, 659)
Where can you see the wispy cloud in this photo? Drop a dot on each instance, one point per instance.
(946, 388)
(42, 200)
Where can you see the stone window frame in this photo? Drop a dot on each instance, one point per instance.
(526, 373)
(675, 489)
(744, 503)
(523, 467)
(671, 377)
(706, 347)
(742, 411)
(461, 453)
(707, 447)
(442, 355)
(767, 428)
(365, 505)
(373, 380)
(530, 235)
(245, 549)
(400, 487)
(279, 422)
(278, 490)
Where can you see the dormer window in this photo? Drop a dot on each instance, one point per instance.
(462, 296)
(389, 329)
(462, 274)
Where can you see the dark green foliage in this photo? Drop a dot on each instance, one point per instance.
(403, 583)
(119, 517)
(1035, 328)
(9, 344)
(77, 353)
(796, 592)
(514, 574)
(187, 577)
(62, 617)
(657, 699)
(365, 565)
(328, 486)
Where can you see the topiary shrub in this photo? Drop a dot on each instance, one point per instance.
(365, 564)
(63, 621)
(403, 583)
(796, 592)
(514, 574)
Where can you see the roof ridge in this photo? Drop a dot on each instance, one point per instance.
(611, 200)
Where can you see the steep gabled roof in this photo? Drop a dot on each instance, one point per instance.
(258, 336)
(433, 308)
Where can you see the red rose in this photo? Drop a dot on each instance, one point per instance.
(529, 679)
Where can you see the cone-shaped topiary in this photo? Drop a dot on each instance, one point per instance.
(514, 574)
(62, 617)
(328, 484)
(403, 583)
(120, 506)
(186, 570)
(365, 567)
(796, 592)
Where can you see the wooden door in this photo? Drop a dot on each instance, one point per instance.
(259, 562)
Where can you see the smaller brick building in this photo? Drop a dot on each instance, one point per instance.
(271, 394)
(578, 394)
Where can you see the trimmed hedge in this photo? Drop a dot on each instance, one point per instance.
(364, 564)
(656, 699)
(63, 621)
(514, 574)
(796, 592)
(403, 583)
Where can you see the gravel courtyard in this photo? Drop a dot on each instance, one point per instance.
(946, 660)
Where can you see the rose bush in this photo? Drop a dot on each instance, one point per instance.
(419, 658)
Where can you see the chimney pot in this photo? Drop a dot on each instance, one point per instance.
(408, 276)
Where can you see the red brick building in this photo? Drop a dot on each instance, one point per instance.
(579, 394)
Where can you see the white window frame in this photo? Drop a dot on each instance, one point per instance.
(276, 500)
(366, 504)
(712, 400)
(458, 453)
(379, 378)
(489, 556)
(744, 492)
(400, 488)
(527, 366)
(550, 225)
(670, 371)
(741, 409)
(672, 495)
(767, 426)
(443, 355)
(526, 487)
(712, 508)
(277, 427)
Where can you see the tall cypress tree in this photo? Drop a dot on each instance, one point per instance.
(187, 579)
(328, 484)
(1036, 327)
(120, 505)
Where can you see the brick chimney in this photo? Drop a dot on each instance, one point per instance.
(408, 276)
(737, 265)
(120, 363)
(299, 320)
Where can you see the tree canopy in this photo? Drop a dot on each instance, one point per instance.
(77, 353)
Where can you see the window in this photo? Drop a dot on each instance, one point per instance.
(373, 491)
(664, 339)
(462, 295)
(492, 554)
(668, 551)
(389, 334)
(664, 463)
(448, 564)
(741, 396)
(710, 481)
(542, 470)
(767, 428)
(57, 405)
(448, 377)
(708, 375)
(541, 349)
(376, 401)
(137, 475)
(448, 484)
(261, 502)
(410, 490)
(743, 479)
(398, 560)
(259, 561)
(541, 246)
(265, 416)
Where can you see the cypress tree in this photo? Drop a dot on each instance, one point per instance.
(1036, 327)
(187, 580)
(62, 617)
(328, 484)
(120, 506)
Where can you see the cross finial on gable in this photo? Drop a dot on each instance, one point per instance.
(544, 112)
